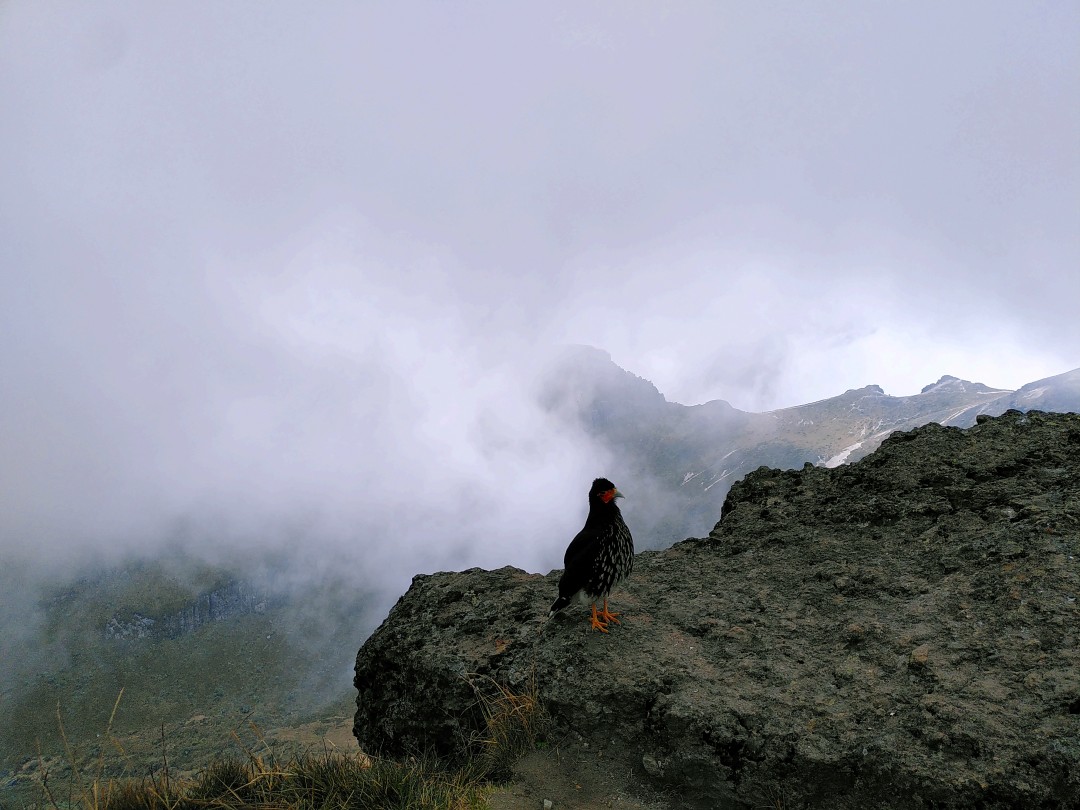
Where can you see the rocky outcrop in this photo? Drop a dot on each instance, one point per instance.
(899, 632)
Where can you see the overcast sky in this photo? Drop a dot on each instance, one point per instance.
(292, 266)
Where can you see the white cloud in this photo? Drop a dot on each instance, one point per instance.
(290, 271)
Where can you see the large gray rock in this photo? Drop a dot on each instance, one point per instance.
(900, 632)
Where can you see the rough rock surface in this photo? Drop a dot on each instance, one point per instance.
(900, 632)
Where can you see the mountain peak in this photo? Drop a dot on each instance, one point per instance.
(947, 380)
(866, 390)
(583, 351)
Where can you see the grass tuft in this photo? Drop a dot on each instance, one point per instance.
(514, 722)
(328, 780)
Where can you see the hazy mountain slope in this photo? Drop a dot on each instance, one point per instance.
(679, 461)
(210, 656)
(1058, 393)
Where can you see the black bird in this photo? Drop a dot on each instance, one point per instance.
(599, 558)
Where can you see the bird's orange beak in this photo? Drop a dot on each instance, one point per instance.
(610, 495)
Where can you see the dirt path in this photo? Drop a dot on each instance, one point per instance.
(573, 780)
(570, 777)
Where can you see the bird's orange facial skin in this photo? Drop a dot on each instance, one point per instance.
(608, 496)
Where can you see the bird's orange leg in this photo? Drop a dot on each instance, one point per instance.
(597, 624)
(606, 616)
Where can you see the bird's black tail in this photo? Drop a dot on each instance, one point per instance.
(558, 605)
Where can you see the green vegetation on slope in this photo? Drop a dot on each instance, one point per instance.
(259, 773)
(283, 670)
(326, 780)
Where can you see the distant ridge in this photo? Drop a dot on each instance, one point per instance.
(684, 458)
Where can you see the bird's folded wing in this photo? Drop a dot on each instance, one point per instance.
(579, 560)
(584, 542)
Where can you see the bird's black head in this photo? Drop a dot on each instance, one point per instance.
(603, 492)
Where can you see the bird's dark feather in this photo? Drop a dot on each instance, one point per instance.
(584, 544)
(578, 562)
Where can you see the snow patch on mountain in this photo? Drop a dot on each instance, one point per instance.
(723, 475)
(1034, 393)
(842, 456)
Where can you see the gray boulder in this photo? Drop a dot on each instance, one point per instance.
(899, 632)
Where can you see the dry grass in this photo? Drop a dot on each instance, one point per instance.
(327, 780)
(514, 722)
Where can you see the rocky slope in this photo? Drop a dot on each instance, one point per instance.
(234, 598)
(683, 459)
(899, 632)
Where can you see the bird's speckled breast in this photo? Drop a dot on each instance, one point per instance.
(614, 562)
